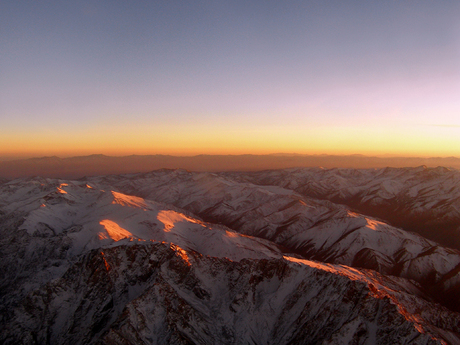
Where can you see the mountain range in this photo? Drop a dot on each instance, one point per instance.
(77, 167)
(284, 256)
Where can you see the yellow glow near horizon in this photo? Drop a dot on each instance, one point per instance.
(193, 140)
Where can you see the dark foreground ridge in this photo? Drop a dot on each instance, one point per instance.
(155, 293)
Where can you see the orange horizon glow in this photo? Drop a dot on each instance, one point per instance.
(312, 79)
(26, 154)
(377, 140)
(8, 156)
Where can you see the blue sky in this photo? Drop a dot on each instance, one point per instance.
(120, 77)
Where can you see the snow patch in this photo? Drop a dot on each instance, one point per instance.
(113, 230)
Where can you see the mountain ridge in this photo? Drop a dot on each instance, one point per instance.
(179, 292)
(174, 256)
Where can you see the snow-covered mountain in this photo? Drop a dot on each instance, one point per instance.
(178, 257)
(423, 200)
(314, 229)
(154, 293)
(47, 224)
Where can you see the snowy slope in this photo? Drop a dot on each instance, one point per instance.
(46, 224)
(153, 293)
(423, 200)
(315, 229)
(173, 256)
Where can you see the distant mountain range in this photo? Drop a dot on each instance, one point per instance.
(76, 167)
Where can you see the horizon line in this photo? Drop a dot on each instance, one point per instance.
(275, 154)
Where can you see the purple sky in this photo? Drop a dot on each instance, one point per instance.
(121, 77)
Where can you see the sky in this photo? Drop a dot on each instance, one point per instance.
(229, 77)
